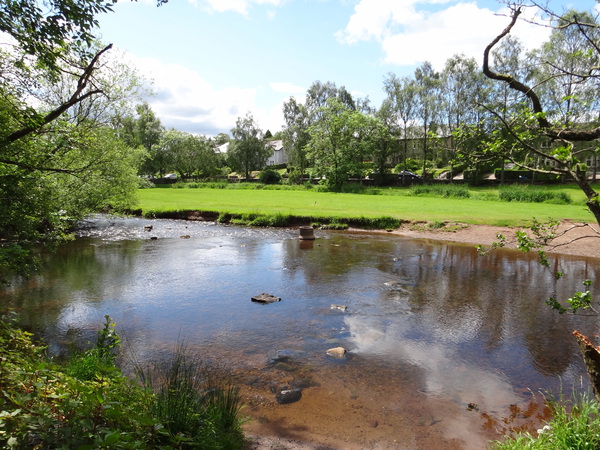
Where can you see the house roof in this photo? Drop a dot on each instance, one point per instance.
(276, 144)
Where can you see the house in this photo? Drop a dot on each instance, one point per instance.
(278, 156)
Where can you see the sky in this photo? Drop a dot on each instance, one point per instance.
(212, 61)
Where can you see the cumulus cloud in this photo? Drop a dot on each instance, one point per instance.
(185, 101)
(413, 31)
(239, 6)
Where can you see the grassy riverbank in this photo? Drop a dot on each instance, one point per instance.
(88, 403)
(473, 206)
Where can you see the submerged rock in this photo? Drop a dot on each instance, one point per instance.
(337, 352)
(288, 396)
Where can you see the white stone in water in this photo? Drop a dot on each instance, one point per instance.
(337, 352)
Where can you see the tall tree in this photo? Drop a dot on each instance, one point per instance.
(536, 122)
(559, 64)
(188, 154)
(380, 138)
(144, 129)
(295, 133)
(427, 82)
(247, 151)
(402, 94)
(337, 142)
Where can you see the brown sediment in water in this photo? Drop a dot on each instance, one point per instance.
(341, 408)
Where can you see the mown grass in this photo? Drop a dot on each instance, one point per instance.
(482, 206)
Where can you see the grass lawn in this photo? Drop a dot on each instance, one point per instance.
(481, 208)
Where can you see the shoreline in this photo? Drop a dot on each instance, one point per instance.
(578, 239)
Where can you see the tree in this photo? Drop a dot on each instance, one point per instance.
(382, 144)
(187, 154)
(427, 82)
(247, 151)
(402, 95)
(535, 122)
(50, 30)
(144, 129)
(336, 144)
(62, 159)
(295, 133)
(576, 69)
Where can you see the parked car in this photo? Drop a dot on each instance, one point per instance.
(171, 176)
(409, 176)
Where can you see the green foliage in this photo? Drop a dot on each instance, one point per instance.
(247, 151)
(410, 164)
(336, 144)
(270, 220)
(575, 424)
(532, 195)
(579, 300)
(377, 223)
(335, 225)
(43, 405)
(269, 176)
(441, 190)
(197, 408)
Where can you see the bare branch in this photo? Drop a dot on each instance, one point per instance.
(77, 97)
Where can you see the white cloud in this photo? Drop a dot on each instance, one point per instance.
(185, 101)
(239, 6)
(409, 34)
(287, 88)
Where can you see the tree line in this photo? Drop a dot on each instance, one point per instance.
(75, 134)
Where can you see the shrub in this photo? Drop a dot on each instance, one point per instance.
(532, 195)
(144, 183)
(270, 176)
(41, 406)
(441, 190)
(272, 220)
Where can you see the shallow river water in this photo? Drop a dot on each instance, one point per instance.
(446, 348)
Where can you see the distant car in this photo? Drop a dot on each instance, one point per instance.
(410, 176)
(171, 176)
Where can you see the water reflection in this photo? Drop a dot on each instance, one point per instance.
(449, 325)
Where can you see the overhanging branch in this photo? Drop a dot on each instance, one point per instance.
(77, 97)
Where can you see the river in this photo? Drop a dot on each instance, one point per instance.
(445, 348)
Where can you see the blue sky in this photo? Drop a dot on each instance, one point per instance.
(212, 61)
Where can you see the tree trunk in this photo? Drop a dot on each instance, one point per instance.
(591, 357)
(592, 196)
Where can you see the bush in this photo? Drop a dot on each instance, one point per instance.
(269, 176)
(410, 164)
(441, 190)
(42, 406)
(145, 183)
(531, 195)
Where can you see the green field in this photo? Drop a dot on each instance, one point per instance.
(483, 207)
